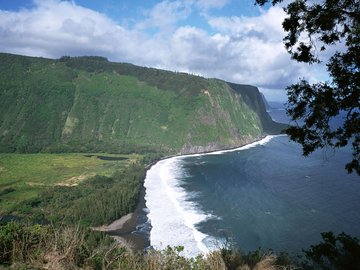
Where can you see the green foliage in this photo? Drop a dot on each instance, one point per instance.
(35, 96)
(312, 27)
(25, 176)
(340, 252)
(17, 241)
(180, 83)
(27, 246)
(88, 104)
(253, 99)
(21, 144)
(235, 258)
(97, 201)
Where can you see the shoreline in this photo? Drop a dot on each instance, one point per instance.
(213, 152)
(116, 225)
(126, 229)
(226, 150)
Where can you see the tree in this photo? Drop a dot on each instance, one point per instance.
(340, 252)
(312, 26)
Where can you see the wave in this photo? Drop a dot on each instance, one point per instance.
(263, 142)
(172, 216)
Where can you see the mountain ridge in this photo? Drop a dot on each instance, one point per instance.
(88, 104)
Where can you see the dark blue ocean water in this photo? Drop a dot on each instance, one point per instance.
(270, 196)
(267, 196)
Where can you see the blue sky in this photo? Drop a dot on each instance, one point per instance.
(233, 40)
(136, 9)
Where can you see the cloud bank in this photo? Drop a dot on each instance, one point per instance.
(239, 49)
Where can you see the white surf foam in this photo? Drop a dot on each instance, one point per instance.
(173, 218)
(263, 141)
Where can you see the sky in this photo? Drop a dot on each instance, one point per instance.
(233, 40)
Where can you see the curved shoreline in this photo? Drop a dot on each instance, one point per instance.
(213, 152)
(127, 225)
(167, 200)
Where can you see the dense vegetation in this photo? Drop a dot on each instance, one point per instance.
(90, 105)
(99, 194)
(42, 247)
(25, 176)
(96, 201)
(25, 246)
(87, 104)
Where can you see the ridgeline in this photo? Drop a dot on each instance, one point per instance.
(88, 104)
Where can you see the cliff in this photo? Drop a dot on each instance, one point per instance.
(88, 104)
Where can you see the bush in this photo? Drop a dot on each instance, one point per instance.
(17, 241)
(339, 252)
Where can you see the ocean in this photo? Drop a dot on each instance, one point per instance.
(261, 195)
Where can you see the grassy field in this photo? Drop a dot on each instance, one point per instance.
(24, 176)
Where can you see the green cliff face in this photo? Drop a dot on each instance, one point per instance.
(88, 104)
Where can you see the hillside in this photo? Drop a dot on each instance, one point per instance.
(88, 104)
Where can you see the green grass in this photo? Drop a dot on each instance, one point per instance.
(24, 176)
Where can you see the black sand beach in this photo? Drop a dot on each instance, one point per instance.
(134, 229)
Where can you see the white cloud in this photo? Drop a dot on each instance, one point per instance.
(243, 50)
(246, 50)
(267, 25)
(166, 14)
(209, 4)
(56, 28)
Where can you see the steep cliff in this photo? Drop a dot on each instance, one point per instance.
(89, 104)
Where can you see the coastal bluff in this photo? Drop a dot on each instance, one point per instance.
(89, 104)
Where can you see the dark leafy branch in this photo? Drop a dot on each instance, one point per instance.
(313, 27)
(334, 252)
